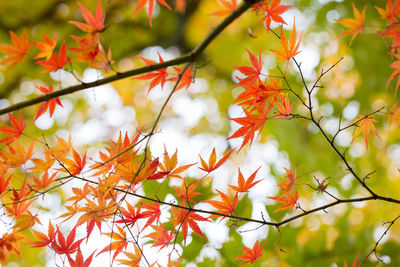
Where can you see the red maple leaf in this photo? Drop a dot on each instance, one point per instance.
(13, 132)
(15, 52)
(50, 104)
(44, 240)
(130, 216)
(56, 61)
(288, 200)
(66, 246)
(153, 213)
(79, 261)
(157, 77)
(251, 255)
(94, 23)
(252, 73)
(187, 219)
(150, 8)
(118, 245)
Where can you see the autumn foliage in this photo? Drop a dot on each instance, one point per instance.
(141, 201)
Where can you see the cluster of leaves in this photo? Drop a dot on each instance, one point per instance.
(110, 187)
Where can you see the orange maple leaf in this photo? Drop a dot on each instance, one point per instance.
(225, 206)
(88, 48)
(133, 258)
(56, 61)
(287, 186)
(44, 182)
(44, 240)
(13, 132)
(228, 7)
(354, 262)
(94, 23)
(185, 192)
(169, 165)
(395, 65)
(251, 255)
(150, 8)
(289, 201)
(283, 106)
(253, 72)
(390, 12)
(355, 24)
(187, 219)
(75, 166)
(50, 104)
(272, 11)
(46, 48)
(212, 166)
(79, 261)
(245, 186)
(160, 236)
(17, 154)
(118, 245)
(394, 115)
(15, 52)
(289, 49)
(365, 125)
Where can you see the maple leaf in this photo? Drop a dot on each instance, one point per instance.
(212, 166)
(186, 80)
(103, 60)
(15, 131)
(365, 125)
(253, 72)
(46, 48)
(44, 182)
(228, 7)
(153, 213)
(225, 206)
(288, 200)
(160, 236)
(26, 221)
(56, 61)
(272, 11)
(9, 243)
(170, 262)
(251, 123)
(395, 65)
(289, 49)
(245, 186)
(390, 12)
(354, 262)
(185, 193)
(17, 155)
(394, 115)
(118, 245)
(130, 216)
(79, 261)
(15, 52)
(187, 219)
(50, 104)
(44, 240)
(88, 48)
(283, 106)
(66, 246)
(169, 165)
(94, 23)
(150, 7)
(133, 258)
(4, 183)
(157, 77)
(75, 166)
(355, 24)
(251, 255)
(287, 186)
